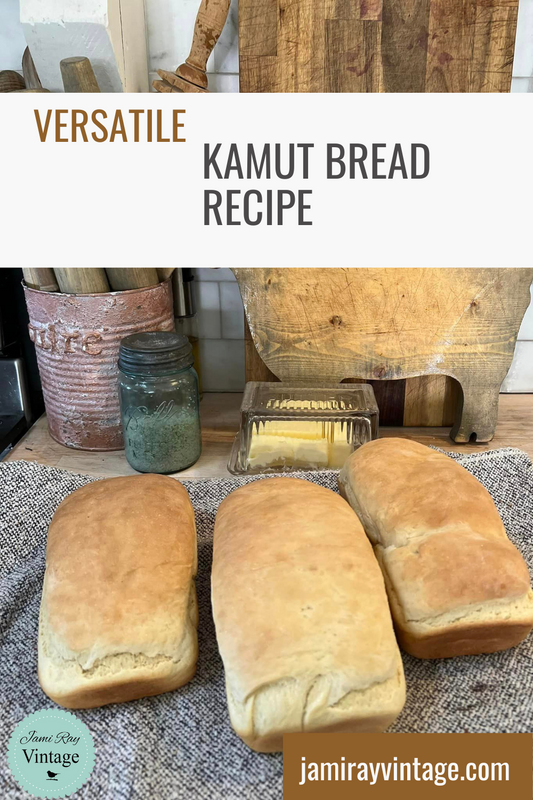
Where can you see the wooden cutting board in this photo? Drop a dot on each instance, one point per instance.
(425, 401)
(325, 325)
(376, 45)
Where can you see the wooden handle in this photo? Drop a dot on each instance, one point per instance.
(11, 81)
(31, 76)
(173, 83)
(78, 75)
(122, 278)
(210, 21)
(165, 272)
(42, 278)
(82, 280)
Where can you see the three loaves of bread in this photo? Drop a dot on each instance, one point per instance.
(310, 593)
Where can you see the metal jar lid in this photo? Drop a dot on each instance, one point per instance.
(154, 353)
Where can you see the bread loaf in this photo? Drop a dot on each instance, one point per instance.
(301, 615)
(456, 584)
(118, 612)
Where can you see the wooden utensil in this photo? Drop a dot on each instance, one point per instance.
(191, 76)
(31, 77)
(376, 45)
(165, 272)
(123, 278)
(425, 401)
(82, 280)
(11, 81)
(78, 75)
(393, 325)
(42, 278)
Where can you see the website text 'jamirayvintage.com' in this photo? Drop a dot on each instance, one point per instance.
(337, 765)
(438, 773)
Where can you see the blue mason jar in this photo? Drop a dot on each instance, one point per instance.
(159, 403)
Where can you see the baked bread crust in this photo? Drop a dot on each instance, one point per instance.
(118, 611)
(456, 584)
(301, 615)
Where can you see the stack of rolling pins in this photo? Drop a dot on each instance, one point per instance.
(93, 280)
(77, 75)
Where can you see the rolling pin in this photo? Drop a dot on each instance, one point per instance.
(78, 75)
(122, 278)
(41, 278)
(31, 77)
(11, 81)
(191, 76)
(82, 280)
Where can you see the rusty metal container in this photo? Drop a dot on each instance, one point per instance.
(77, 337)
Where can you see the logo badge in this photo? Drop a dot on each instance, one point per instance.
(51, 753)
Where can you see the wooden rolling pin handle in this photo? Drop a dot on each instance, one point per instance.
(41, 278)
(210, 20)
(78, 75)
(82, 280)
(123, 278)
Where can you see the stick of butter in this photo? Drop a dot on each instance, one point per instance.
(297, 443)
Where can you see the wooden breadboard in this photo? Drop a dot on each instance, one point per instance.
(413, 328)
(376, 45)
(426, 401)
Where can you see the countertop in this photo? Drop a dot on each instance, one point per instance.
(220, 423)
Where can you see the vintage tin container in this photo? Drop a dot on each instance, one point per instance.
(77, 338)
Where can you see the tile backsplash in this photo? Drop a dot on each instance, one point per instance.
(221, 332)
(220, 329)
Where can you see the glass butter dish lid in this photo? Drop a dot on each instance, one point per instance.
(288, 428)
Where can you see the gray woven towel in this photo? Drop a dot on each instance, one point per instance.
(180, 745)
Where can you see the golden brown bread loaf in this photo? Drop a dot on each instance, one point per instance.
(301, 615)
(118, 611)
(456, 584)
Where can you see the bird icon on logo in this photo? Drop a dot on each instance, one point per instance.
(51, 775)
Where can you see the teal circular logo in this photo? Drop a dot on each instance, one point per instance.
(51, 753)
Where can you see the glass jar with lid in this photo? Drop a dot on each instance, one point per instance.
(158, 391)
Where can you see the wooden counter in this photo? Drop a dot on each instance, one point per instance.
(220, 422)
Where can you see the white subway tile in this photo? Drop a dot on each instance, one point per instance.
(521, 85)
(213, 274)
(222, 365)
(208, 309)
(526, 329)
(523, 54)
(231, 311)
(520, 376)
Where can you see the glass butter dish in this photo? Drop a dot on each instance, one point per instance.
(290, 428)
